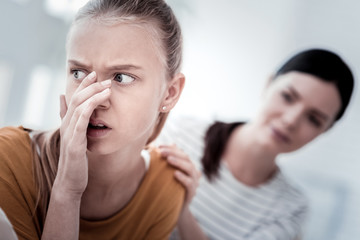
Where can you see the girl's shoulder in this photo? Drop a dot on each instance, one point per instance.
(15, 152)
(13, 132)
(160, 178)
(14, 141)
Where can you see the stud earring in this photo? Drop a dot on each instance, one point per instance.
(164, 108)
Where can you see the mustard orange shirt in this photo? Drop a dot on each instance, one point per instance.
(151, 214)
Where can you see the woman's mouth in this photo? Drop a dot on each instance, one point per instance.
(280, 136)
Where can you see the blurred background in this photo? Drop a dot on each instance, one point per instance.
(231, 47)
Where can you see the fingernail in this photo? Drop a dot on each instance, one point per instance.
(106, 83)
(92, 74)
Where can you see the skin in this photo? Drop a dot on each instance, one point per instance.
(189, 177)
(297, 108)
(115, 78)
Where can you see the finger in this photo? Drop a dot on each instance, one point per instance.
(90, 90)
(185, 166)
(63, 106)
(167, 145)
(87, 81)
(81, 117)
(185, 180)
(80, 97)
(174, 151)
(83, 95)
(164, 150)
(90, 78)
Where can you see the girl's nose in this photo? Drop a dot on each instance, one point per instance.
(106, 103)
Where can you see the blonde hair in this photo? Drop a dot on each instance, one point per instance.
(153, 14)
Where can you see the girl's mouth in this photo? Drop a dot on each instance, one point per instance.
(97, 126)
(97, 130)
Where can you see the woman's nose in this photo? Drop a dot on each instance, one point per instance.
(291, 117)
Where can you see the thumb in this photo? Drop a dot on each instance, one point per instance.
(63, 106)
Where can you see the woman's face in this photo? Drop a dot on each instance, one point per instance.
(297, 107)
(127, 55)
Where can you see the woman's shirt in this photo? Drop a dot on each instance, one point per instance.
(227, 208)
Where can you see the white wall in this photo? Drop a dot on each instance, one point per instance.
(232, 46)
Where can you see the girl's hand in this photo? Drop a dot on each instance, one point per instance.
(72, 174)
(186, 174)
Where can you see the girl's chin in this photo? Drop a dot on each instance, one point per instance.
(97, 148)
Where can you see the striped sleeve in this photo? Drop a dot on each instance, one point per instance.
(188, 134)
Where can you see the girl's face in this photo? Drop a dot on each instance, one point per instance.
(297, 107)
(128, 55)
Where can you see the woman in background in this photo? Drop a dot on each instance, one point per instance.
(244, 194)
(94, 178)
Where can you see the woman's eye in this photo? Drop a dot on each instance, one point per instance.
(123, 78)
(287, 97)
(313, 120)
(78, 74)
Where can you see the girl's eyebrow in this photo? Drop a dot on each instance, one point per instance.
(119, 67)
(78, 64)
(124, 67)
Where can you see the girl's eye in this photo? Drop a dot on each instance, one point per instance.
(287, 97)
(78, 74)
(123, 78)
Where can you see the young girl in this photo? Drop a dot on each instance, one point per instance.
(244, 194)
(93, 178)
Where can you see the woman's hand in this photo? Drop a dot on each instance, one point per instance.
(72, 174)
(186, 174)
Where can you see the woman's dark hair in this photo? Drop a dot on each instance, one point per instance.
(327, 66)
(216, 139)
(323, 64)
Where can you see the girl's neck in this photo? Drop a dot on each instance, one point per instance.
(110, 169)
(248, 161)
(113, 181)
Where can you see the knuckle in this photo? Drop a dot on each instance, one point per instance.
(92, 102)
(75, 100)
(71, 151)
(77, 129)
(77, 113)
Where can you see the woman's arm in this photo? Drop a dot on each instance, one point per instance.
(188, 226)
(63, 216)
(189, 177)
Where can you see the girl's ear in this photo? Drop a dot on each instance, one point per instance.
(173, 92)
